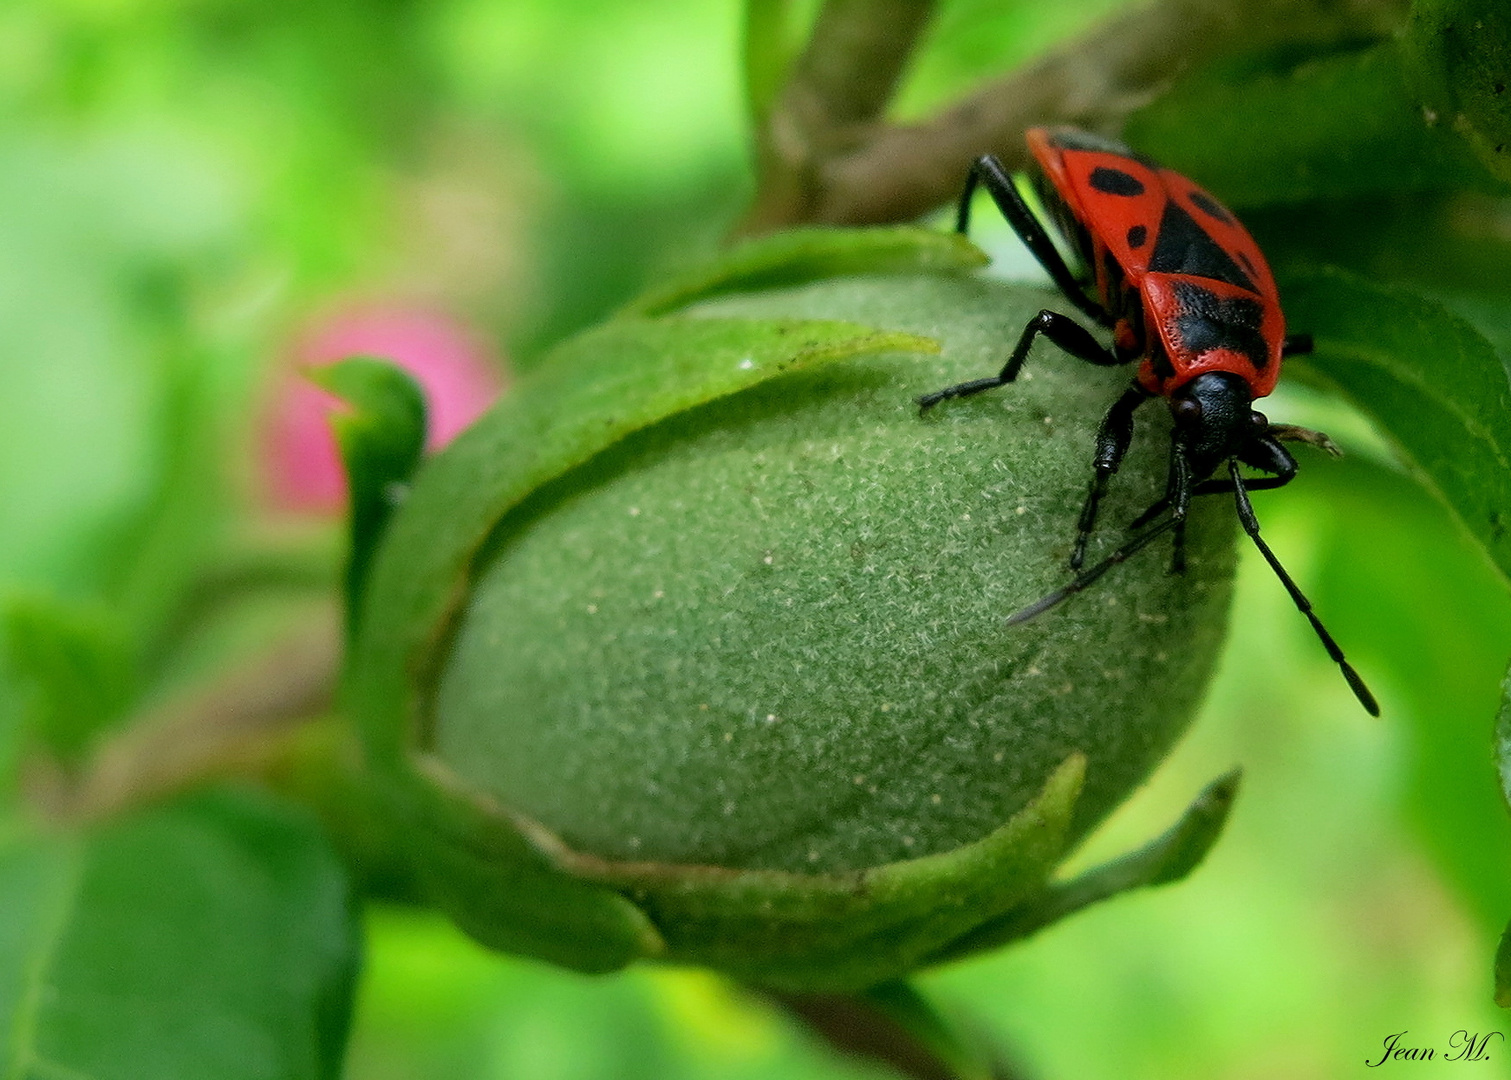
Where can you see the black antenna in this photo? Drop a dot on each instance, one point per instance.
(1250, 525)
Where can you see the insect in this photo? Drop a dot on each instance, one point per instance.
(1184, 290)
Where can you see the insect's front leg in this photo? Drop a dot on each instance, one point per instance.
(1179, 491)
(1113, 438)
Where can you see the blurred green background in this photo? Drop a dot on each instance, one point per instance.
(187, 185)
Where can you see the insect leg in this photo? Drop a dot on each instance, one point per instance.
(1061, 329)
(1264, 453)
(1086, 577)
(999, 184)
(1181, 491)
(1113, 438)
(1250, 525)
(1296, 345)
(1178, 493)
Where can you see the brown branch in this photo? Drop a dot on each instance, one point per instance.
(234, 726)
(859, 1028)
(841, 84)
(846, 170)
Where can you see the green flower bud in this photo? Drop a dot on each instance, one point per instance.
(695, 647)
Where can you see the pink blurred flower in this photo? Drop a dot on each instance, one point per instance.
(298, 453)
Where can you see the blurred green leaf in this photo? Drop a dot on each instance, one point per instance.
(73, 667)
(382, 441)
(798, 256)
(1434, 385)
(211, 939)
(1503, 766)
(768, 51)
(1427, 615)
(1460, 57)
(1503, 970)
(1347, 125)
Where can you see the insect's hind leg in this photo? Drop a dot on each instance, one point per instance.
(1061, 329)
(992, 175)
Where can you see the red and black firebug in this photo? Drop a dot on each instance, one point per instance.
(1185, 291)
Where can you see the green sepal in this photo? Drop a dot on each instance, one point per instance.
(842, 931)
(382, 441)
(475, 864)
(74, 667)
(1433, 384)
(1167, 858)
(799, 256)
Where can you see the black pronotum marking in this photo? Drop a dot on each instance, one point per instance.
(1159, 359)
(1070, 139)
(1137, 235)
(1115, 182)
(1183, 247)
(1206, 321)
(1210, 206)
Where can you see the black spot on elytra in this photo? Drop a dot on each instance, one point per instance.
(1206, 321)
(1115, 182)
(1210, 206)
(1184, 247)
(1248, 263)
(1137, 235)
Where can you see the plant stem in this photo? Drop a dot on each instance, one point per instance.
(825, 157)
(235, 725)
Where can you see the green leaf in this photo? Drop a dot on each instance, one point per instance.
(1342, 126)
(211, 939)
(382, 441)
(803, 255)
(74, 668)
(1431, 382)
(1460, 56)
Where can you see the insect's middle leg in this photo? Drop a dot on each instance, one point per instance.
(1061, 329)
(1113, 438)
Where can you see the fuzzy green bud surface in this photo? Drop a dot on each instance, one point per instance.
(696, 647)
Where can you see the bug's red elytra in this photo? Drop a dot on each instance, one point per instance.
(1184, 290)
